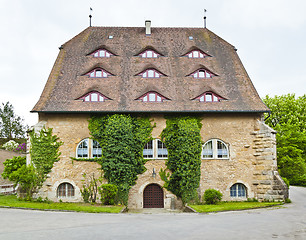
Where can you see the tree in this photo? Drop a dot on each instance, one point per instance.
(11, 125)
(288, 118)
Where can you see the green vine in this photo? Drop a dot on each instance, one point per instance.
(122, 138)
(183, 140)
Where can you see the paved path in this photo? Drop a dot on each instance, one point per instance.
(288, 222)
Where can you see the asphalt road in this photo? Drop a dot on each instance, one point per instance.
(287, 222)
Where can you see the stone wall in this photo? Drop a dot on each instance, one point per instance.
(252, 158)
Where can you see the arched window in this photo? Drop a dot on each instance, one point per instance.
(82, 149)
(155, 149)
(65, 190)
(238, 190)
(215, 149)
(88, 148)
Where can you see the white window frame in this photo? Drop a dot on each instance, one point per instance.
(155, 149)
(146, 54)
(215, 149)
(90, 148)
(236, 190)
(196, 54)
(102, 53)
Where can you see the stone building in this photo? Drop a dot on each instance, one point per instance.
(159, 71)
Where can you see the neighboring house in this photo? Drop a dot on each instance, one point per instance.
(159, 71)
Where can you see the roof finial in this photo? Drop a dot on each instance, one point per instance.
(205, 18)
(90, 16)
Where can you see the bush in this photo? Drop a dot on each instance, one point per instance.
(10, 145)
(212, 196)
(108, 193)
(286, 181)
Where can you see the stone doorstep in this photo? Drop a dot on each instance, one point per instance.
(154, 211)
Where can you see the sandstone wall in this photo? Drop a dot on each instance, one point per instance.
(252, 159)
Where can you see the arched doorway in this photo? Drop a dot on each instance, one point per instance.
(153, 196)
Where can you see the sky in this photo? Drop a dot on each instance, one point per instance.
(270, 36)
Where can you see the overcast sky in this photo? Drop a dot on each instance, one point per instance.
(270, 36)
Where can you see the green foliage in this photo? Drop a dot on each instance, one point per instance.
(11, 125)
(44, 150)
(212, 196)
(90, 189)
(28, 180)
(183, 140)
(122, 138)
(288, 118)
(12, 165)
(108, 193)
(286, 181)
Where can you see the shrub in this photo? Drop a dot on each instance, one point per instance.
(212, 196)
(286, 181)
(108, 193)
(10, 145)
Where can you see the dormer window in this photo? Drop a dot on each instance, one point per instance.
(149, 54)
(102, 53)
(152, 97)
(202, 73)
(196, 54)
(209, 97)
(151, 73)
(98, 73)
(93, 97)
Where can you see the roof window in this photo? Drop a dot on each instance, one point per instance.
(152, 97)
(151, 73)
(196, 54)
(98, 73)
(149, 53)
(102, 53)
(202, 73)
(93, 97)
(209, 97)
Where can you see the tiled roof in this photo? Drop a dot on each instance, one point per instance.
(67, 81)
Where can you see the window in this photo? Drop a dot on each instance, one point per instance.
(98, 73)
(196, 54)
(209, 97)
(65, 190)
(155, 149)
(102, 53)
(88, 147)
(238, 190)
(151, 73)
(152, 97)
(94, 97)
(149, 54)
(215, 149)
(202, 73)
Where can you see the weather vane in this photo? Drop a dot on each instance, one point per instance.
(205, 18)
(90, 16)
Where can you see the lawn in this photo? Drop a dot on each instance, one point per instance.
(232, 206)
(12, 201)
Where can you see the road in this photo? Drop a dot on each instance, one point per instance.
(287, 222)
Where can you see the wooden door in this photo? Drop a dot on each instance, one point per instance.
(153, 196)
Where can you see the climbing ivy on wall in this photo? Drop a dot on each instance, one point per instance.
(122, 138)
(183, 140)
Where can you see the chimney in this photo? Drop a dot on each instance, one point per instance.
(148, 27)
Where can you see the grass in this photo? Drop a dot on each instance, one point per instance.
(232, 206)
(12, 201)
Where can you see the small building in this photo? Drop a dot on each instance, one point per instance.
(159, 71)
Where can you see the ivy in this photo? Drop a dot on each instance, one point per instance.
(122, 138)
(183, 140)
(44, 151)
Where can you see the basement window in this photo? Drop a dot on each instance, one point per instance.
(238, 190)
(65, 190)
